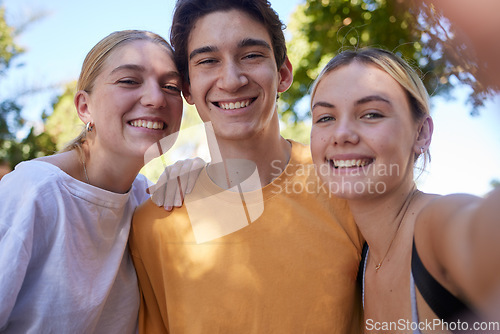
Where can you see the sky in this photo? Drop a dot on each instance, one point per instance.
(465, 150)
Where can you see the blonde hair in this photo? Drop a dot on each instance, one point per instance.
(393, 65)
(96, 58)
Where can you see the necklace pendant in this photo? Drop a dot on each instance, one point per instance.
(377, 267)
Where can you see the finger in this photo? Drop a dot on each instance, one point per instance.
(171, 192)
(172, 185)
(183, 181)
(190, 171)
(158, 197)
(157, 190)
(180, 198)
(196, 168)
(185, 172)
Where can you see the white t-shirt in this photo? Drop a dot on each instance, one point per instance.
(64, 260)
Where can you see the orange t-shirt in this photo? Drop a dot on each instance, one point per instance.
(280, 260)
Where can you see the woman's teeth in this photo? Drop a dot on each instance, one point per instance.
(147, 124)
(351, 163)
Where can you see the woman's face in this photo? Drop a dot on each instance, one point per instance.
(363, 135)
(135, 100)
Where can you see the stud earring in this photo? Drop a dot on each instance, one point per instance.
(89, 126)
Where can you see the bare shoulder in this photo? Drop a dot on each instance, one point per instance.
(441, 213)
(441, 237)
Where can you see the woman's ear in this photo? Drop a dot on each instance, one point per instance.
(286, 76)
(82, 106)
(424, 135)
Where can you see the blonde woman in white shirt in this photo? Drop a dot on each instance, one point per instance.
(65, 219)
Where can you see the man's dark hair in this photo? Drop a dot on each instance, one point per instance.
(187, 12)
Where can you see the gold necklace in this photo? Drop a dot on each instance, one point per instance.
(85, 171)
(405, 208)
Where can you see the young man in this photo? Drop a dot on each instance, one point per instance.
(259, 246)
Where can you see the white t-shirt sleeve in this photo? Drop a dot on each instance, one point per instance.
(19, 207)
(141, 183)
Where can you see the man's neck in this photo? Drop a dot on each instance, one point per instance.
(241, 158)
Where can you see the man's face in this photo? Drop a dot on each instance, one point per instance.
(233, 76)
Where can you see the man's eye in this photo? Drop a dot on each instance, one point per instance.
(206, 61)
(253, 55)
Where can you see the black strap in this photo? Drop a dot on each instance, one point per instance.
(446, 306)
(361, 271)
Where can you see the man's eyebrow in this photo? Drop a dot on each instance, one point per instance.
(372, 98)
(253, 42)
(243, 43)
(128, 67)
(203, 49)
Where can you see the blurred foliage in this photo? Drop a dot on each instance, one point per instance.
(320, 29)
(298, 131)
(35, 144)
(8, 48)
(10, 117)
(10, 110)
(64, 124)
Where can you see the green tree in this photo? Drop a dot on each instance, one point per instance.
(32, 146)
(10, 111)
(64, 124)
(8, 49)
(322, 28)
(12, 150)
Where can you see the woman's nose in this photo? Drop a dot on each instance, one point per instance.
(345, 132)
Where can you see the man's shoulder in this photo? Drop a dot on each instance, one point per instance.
(153, 225)
(301, 153)
(149, 212)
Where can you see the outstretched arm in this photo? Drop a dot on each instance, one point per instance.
(457, 237)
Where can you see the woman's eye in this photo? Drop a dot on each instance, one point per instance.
(173, 88)
(372, 115)
(127, 82)
(325, 119)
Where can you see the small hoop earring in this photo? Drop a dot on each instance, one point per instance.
(89, 126)
(422, 150)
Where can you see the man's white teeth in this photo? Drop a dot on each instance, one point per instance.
(147, 124)
(351, 163)
(234, 105)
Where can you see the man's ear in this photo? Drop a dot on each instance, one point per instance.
(424, 136)
(82, 106)
(186, 92)
(286, 76)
